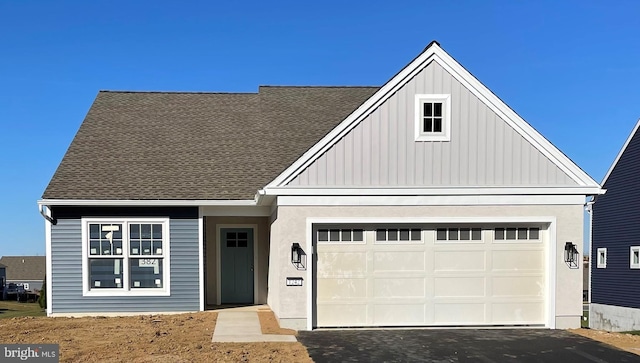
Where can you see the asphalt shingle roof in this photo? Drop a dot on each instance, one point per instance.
(24, 267)
(171, 145)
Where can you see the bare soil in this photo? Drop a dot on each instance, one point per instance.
(159, 338)
(628, 342)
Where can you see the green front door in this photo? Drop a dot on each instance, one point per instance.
(236, 257)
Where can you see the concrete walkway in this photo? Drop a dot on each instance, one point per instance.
(243, 326)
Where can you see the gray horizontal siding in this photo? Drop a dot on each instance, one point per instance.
(484, 150)
(66, 276)
(615, 227)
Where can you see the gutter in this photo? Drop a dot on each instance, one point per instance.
(45, 215)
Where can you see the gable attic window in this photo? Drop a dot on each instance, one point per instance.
(634, 258)
(432, 117)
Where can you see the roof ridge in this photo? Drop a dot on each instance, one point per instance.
(181, 92)
(312, 86)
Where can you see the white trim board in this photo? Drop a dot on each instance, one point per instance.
(622, 150)
(444, 200)
(433, 53)
(471, 190)
(144, 202)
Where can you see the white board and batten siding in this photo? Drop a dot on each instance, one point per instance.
(381, 150)
(431, 282)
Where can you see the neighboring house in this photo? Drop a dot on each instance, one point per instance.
(3, 276)
(425, 202)
(26, 271)
(615, 248)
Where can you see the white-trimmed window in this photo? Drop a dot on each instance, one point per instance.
(125, 256)
(340, 235)
(398, 235)
(433, 117)
(634, 257)
(601, 258)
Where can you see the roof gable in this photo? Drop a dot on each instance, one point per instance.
(566, 173)
(632, 137)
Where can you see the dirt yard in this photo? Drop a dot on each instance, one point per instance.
(628, 342)
(161, 338)
(180, 338)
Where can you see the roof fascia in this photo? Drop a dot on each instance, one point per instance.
(435, 53)
(150, 203)
(588, 190)
(622, 150)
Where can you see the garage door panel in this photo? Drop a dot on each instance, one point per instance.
(517, 286)
(430, 282)
(334, 264)
(459, 313)
(398, 314)
(398, 261)
(459, 287)
(517, 312)
(343, 289)
(342, 314)
(459, 260)
(522, 260)
(398, 288)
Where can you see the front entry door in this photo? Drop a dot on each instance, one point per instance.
(236, 256)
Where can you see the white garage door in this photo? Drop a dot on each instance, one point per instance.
(429, 275)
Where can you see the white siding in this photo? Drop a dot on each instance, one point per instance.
(484, 150)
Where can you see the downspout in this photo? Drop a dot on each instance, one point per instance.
(45, 215)
(589, 209)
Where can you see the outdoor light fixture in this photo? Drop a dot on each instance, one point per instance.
(298, 256)
(571, 255)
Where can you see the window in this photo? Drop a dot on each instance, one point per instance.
(433, 117)
(340, 235)
(125, 257)
(517, 234)
(602, 258)
(634, 258)
(459, 234)
(399, 235)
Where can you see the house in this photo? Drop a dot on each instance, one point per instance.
(26, 271)
(615, 251)
(3, 276)
(424, 202)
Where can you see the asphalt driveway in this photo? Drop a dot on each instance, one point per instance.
(458, 345)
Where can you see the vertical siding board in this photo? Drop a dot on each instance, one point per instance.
(391, 120)
(356, 176)
(616, 227)
(367, 151)
(405, 174)
(66, 278)
(478, 146)
(340, 162)
(484, 150)
(375, 149)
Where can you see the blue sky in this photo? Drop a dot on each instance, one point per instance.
(570, 68)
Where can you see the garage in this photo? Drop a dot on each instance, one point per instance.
(430, 275)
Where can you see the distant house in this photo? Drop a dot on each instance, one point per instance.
(27, 271)
(424, 202)
(615, 247)
(585, 280)
(3, 275)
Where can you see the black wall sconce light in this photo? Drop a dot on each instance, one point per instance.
(298, 257)
(571, 255)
